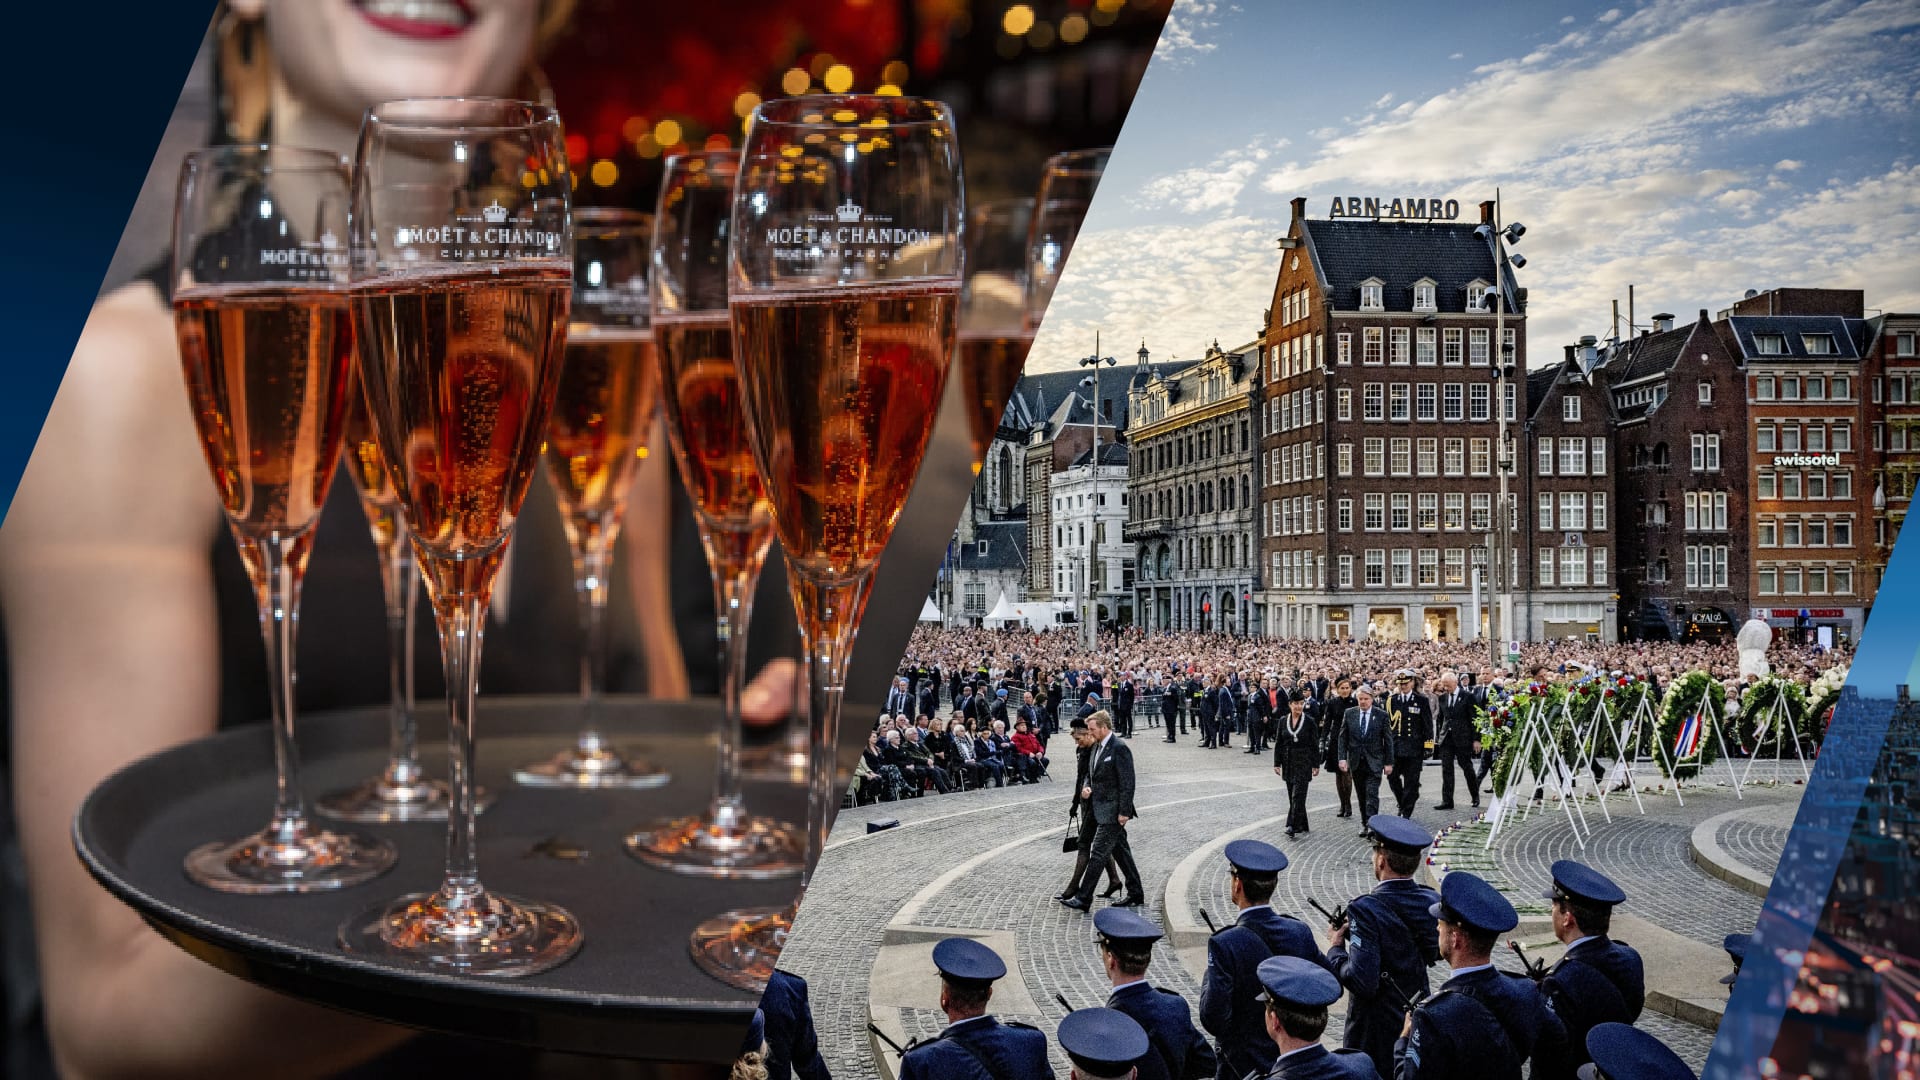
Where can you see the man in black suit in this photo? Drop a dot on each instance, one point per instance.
(1296, 758)
(1411, 715)
(1124, 693)
(929, 698)
(1269, 704)
(1108, 798)
(1456, 739)
(900, 699)
(1366, 751)
(1170, 706)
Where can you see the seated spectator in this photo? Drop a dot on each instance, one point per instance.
(1029, 756)
(965, 753)
(916, 753)
(995, 751)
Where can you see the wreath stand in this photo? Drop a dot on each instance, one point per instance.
(1779, 719)
(1627, 742)
(1536, 734)
(1590, 754)
(1706, 717)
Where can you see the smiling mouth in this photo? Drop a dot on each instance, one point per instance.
(430, 20)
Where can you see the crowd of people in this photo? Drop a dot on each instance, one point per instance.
(974, 706)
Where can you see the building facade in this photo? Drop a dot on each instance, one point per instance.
(1378, 425)
(1893, 374)
(1191, 500)
(1809, 473)
(1088, 514)
(1681, 465)
(1569, 524)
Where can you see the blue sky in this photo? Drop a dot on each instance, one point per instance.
(1693, 149)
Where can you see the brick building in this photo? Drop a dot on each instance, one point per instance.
(1681, 464)
(1378, 426)
(1569, 513)
(1893, 374)
(1191, 500)
(1810, 499)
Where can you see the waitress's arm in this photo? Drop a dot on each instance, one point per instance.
(107, 590)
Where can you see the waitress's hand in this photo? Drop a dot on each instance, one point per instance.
(768, 699)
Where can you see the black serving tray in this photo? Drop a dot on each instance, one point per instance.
(632, 991)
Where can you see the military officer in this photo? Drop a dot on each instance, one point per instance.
(1103, 1044)
(1597, 980)
(1296, 994)
(1227, 1007)
(793, 1047)
(1411, 715)
(1736, 946)
(1382, 951)
(974, 1045)
(1624, 1052)
(1180, 1051)
(1482, 1024)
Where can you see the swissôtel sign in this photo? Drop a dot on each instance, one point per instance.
(1788, 461)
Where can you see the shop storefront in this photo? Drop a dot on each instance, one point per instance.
(1815, 626)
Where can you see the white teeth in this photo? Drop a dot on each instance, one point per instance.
(438, 12)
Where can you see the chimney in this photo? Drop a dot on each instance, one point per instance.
(1589, 355)
(1663, 322)
(1486, 212)
(1299, 204)
(1570, 356)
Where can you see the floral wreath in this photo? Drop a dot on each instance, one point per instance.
(1502, 728)
(1757, 705)
(1690, 693)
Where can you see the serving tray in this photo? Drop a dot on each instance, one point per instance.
(632, 991)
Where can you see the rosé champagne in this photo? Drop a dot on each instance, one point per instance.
(460, 371)
(990, 365)
(269, 374)
(609, 391)
(838, 390)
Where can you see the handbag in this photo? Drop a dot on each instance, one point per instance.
(1072, 841)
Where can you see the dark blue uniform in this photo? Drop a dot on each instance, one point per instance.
(1481, 1025)
(1227, 1007)
(1390, 934)
(1318, 1063)
(1598, 981)
(1180, 1052)
(793, 1049)
(980, 1049)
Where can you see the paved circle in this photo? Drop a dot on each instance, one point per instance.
(1188, 798)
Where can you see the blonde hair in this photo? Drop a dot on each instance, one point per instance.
(751, 1066)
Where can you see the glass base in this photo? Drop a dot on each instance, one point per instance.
(498, 936)
(779, 761)
(603, 768)
(740, 947)
(753, 848)
(318, 861)
(376, 801)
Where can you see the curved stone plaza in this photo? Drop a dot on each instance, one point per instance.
(986, 864)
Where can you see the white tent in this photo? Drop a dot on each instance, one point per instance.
(1034, 615)
(928, 612)
(1003, 612)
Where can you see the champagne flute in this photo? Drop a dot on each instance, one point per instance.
(844, 282)
(709, 439)
(401, 792)
(994, 331)
(261, 311)
(462, 268)
(604, 409)
(1066, 190)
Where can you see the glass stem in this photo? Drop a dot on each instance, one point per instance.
(460, 608)
(401, 584)
(829, 613)
(591, 562)
(276, 562)
(736, 557)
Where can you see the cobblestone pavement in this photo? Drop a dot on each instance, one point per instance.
(1756, 842)
(1188, 799)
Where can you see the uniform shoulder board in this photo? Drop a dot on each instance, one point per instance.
(1018, 1024)
(1293, 918)
(1169, 993)
(1344, 1050)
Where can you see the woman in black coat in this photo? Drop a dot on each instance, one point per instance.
(1296, 759)
(1331, 717)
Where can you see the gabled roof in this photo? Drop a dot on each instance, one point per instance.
(1041, 393)
(1647, 355)
(1006, 547)
(1850, 337)
(1399, 253)
(1110, 454)
(1539, 382)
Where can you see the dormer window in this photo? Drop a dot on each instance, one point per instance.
(1373, 295)
(1819, 344)
(1424, 295)
(1770, 344)
(982, 549)
(1477, 293)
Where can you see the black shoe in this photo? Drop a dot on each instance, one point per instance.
(1366, 834)
(1443, 806)
(1112, 891)
(1290, 834)
(1075, 903)
(1131, 901)
(1345, 814)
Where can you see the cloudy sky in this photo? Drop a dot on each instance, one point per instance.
(1692, 149)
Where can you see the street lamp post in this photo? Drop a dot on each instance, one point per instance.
(1093, 534)
(1502, 563)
